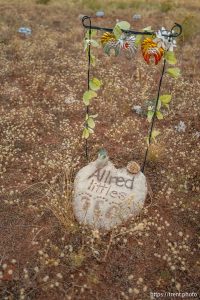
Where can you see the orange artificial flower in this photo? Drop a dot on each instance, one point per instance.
(150, 48)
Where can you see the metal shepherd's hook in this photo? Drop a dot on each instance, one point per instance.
(88, 72)
(173, 34)
(175, 31)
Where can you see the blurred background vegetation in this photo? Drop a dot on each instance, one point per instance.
(182, 11)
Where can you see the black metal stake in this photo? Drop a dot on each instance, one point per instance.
(154, 117)
(88, 81)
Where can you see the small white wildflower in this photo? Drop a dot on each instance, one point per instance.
(145, 288)
(95, 234)
(130, 277)
(139, 227)
(137, 109)
(178, 286)
(140, 279)
(130, 290)
(4, 266)
(59, 275)
(197, 134)
(13, 261)
(36, 269)
(181, 127)
(70, 100)
(46, 278)
(70, 248)
(136, 291)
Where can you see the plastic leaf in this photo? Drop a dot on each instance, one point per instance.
(174, 72)
(165, 99)
(95, 84)
(147, 140)
(148, 28)
(93, 33)
(159, 115)
(91, 122)
(117, 51)
(117, 31)
(93, 60)
(94, 116)
(87, 96)
(150, 115)
(138, 39)
(94, 43)
(90, 130)
(124, 25)
(85, 45)
(159, 104)
(170, 57)
(107, 49)
(86, 133)
(154, 134)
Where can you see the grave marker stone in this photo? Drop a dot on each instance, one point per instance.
(106, 196)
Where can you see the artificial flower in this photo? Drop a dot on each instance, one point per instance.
(164, 40)
(109, 42)
(151, 48)
(124, 43)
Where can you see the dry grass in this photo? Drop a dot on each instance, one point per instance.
(59, 198)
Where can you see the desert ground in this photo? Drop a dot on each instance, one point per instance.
(44, 253)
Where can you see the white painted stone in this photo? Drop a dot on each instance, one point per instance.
(105, 196)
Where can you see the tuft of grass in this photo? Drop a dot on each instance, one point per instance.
(190, 27)
(90, 4)
(93, 278)
(78, 258)
(114, 5)
(59, 200)
(166, 6)
(43, 1)
(156, 152)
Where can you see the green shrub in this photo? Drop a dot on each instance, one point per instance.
(91, 4)
(43, 1)
(166, 6)
(190, 27)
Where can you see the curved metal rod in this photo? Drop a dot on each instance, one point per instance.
(176, 26)
(173, 34)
